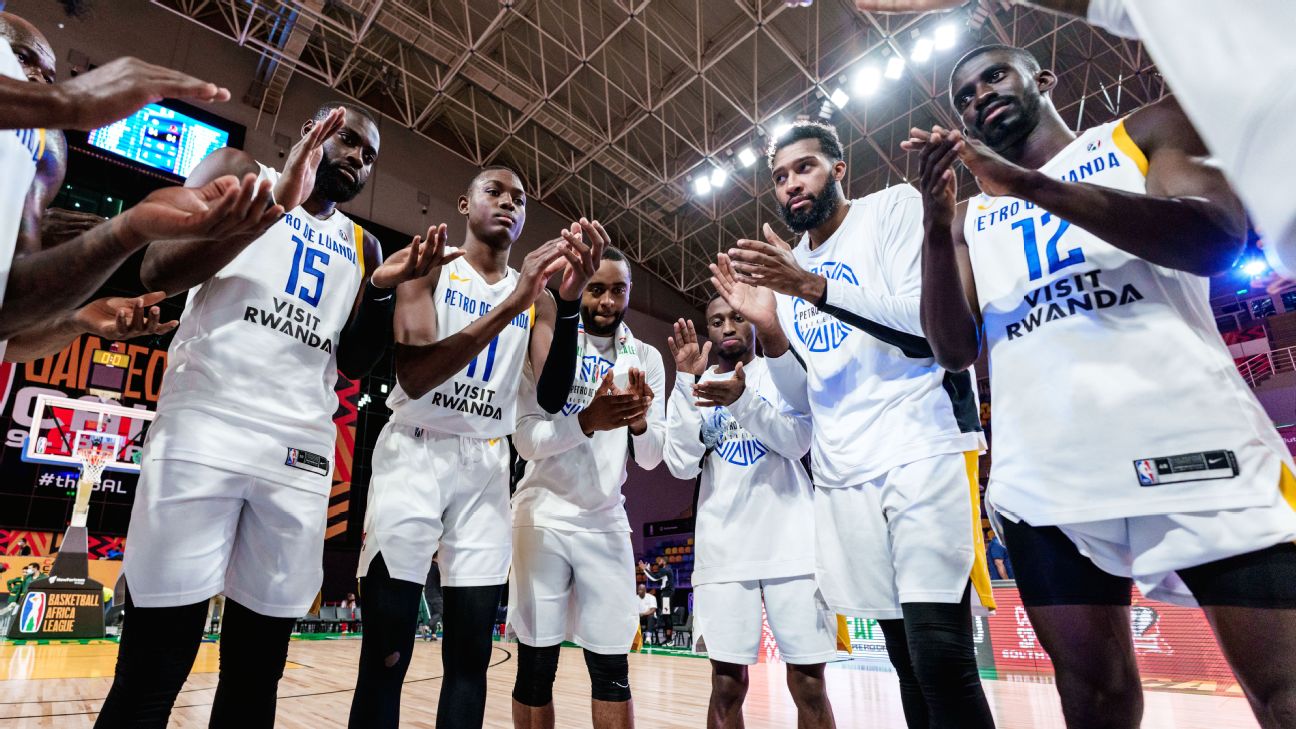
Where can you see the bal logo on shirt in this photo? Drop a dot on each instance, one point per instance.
(818, 331)
(729, 440)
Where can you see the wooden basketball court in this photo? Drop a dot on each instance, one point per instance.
(63, 685)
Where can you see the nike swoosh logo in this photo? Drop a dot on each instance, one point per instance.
(454, 277)
(621, 685)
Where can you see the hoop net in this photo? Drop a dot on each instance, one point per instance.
(93, 462)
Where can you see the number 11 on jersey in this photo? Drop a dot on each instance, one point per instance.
(490, 361)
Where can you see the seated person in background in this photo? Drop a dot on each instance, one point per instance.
(997, 557)
(647, 611)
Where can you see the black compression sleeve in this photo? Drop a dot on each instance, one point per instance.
(560, 366)
(364, 340)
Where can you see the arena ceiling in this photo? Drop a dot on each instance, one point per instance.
(615, 107)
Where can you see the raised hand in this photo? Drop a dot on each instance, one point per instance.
(755, 303)
(583, 259)
(298, 178)
(995, 175)
(422, 256)
(936, 179)
(610, 409)
(770, 263)
(689, 357)
(223, 208)
(639, 387)
(121, 87)
(721, 393)
(117, 318)
(537, 267)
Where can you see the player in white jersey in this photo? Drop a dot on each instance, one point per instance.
(755, 510)
(573, 563)
(441, 465)
(109, 317)
(896, 437)
(235, 478)
(1230, 64)
(1127, 448)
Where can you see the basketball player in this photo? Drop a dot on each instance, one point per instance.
(755, 509)
(1126, 445)
(1230, 65)
(573, 562)
(235, 476)
(44, 287)
(895, 436)
(440, 484)
(110, 317)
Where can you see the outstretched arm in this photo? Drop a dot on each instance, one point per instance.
(52, 282)
(112, 318)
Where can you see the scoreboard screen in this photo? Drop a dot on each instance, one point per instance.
(161, 137)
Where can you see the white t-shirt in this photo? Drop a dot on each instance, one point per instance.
(1114, 395)
(19, 151)
(755, 511)
(251, 371)
(480, 401)
(877, 396)
(647, 602)
(1230, 65)
(573, 482)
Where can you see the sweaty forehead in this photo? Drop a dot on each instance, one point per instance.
(717, 307)
(973, 67)
(611, 272)
(19, 32)
(796, 150)
(503, 177)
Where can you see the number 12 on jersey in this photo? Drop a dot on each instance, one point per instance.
(1031, 246)
(304, 264)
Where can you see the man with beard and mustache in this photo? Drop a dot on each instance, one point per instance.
(573, 562)
(896, 437)
(754, 512)
(1128, 450)
(468, 334)
(235, 477)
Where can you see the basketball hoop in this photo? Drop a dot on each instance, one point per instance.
(93, 462)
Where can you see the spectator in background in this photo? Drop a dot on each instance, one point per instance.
(663, 580)
(22, 548)
(350, 602)
(997, 557)
(647, 611)
(18, 586)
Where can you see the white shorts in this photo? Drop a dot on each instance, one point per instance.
(1150, 549)
(727, 617)
(437, 494)
(905, 536)
(197, 531)
(577, 586)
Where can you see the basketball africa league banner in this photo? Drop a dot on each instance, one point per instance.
(39, 496)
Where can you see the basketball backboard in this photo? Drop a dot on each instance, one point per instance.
(62, 426)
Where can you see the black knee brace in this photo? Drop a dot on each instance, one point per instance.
(609, 676)
(537, 668)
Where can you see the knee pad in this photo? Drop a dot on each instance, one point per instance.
(609, 676)
(537, 668)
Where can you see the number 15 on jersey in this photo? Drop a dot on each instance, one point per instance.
(306, 279)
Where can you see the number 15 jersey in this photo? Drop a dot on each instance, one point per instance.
(250, 376)
(1113, 393)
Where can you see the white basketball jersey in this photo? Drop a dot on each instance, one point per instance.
(19, 150)
(755, 511)
(250, 376)
(1113, 394)
(480, 401)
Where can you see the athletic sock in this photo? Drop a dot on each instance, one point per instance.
(156, 651)
(944, 660)
(469, 623)
(390, 619)
(253, 652)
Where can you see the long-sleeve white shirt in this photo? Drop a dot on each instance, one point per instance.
(573, 481)
(755, 513)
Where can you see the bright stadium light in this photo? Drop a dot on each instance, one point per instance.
(746, 157)
(922, 50)
(702, 185)
(718, 177)
(781, 130)
(946, 34)
(839, 98)
(1255, 267)
(895, 67)
(868, 81)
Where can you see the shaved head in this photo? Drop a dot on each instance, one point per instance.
(29, 46)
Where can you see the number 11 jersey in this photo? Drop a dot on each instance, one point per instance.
(479, 401)
(250, 377)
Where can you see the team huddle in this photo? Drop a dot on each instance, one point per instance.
(1127, 448)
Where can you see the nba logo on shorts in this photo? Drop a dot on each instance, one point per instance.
(33, 612)
(292, 457)
(1147, 472)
